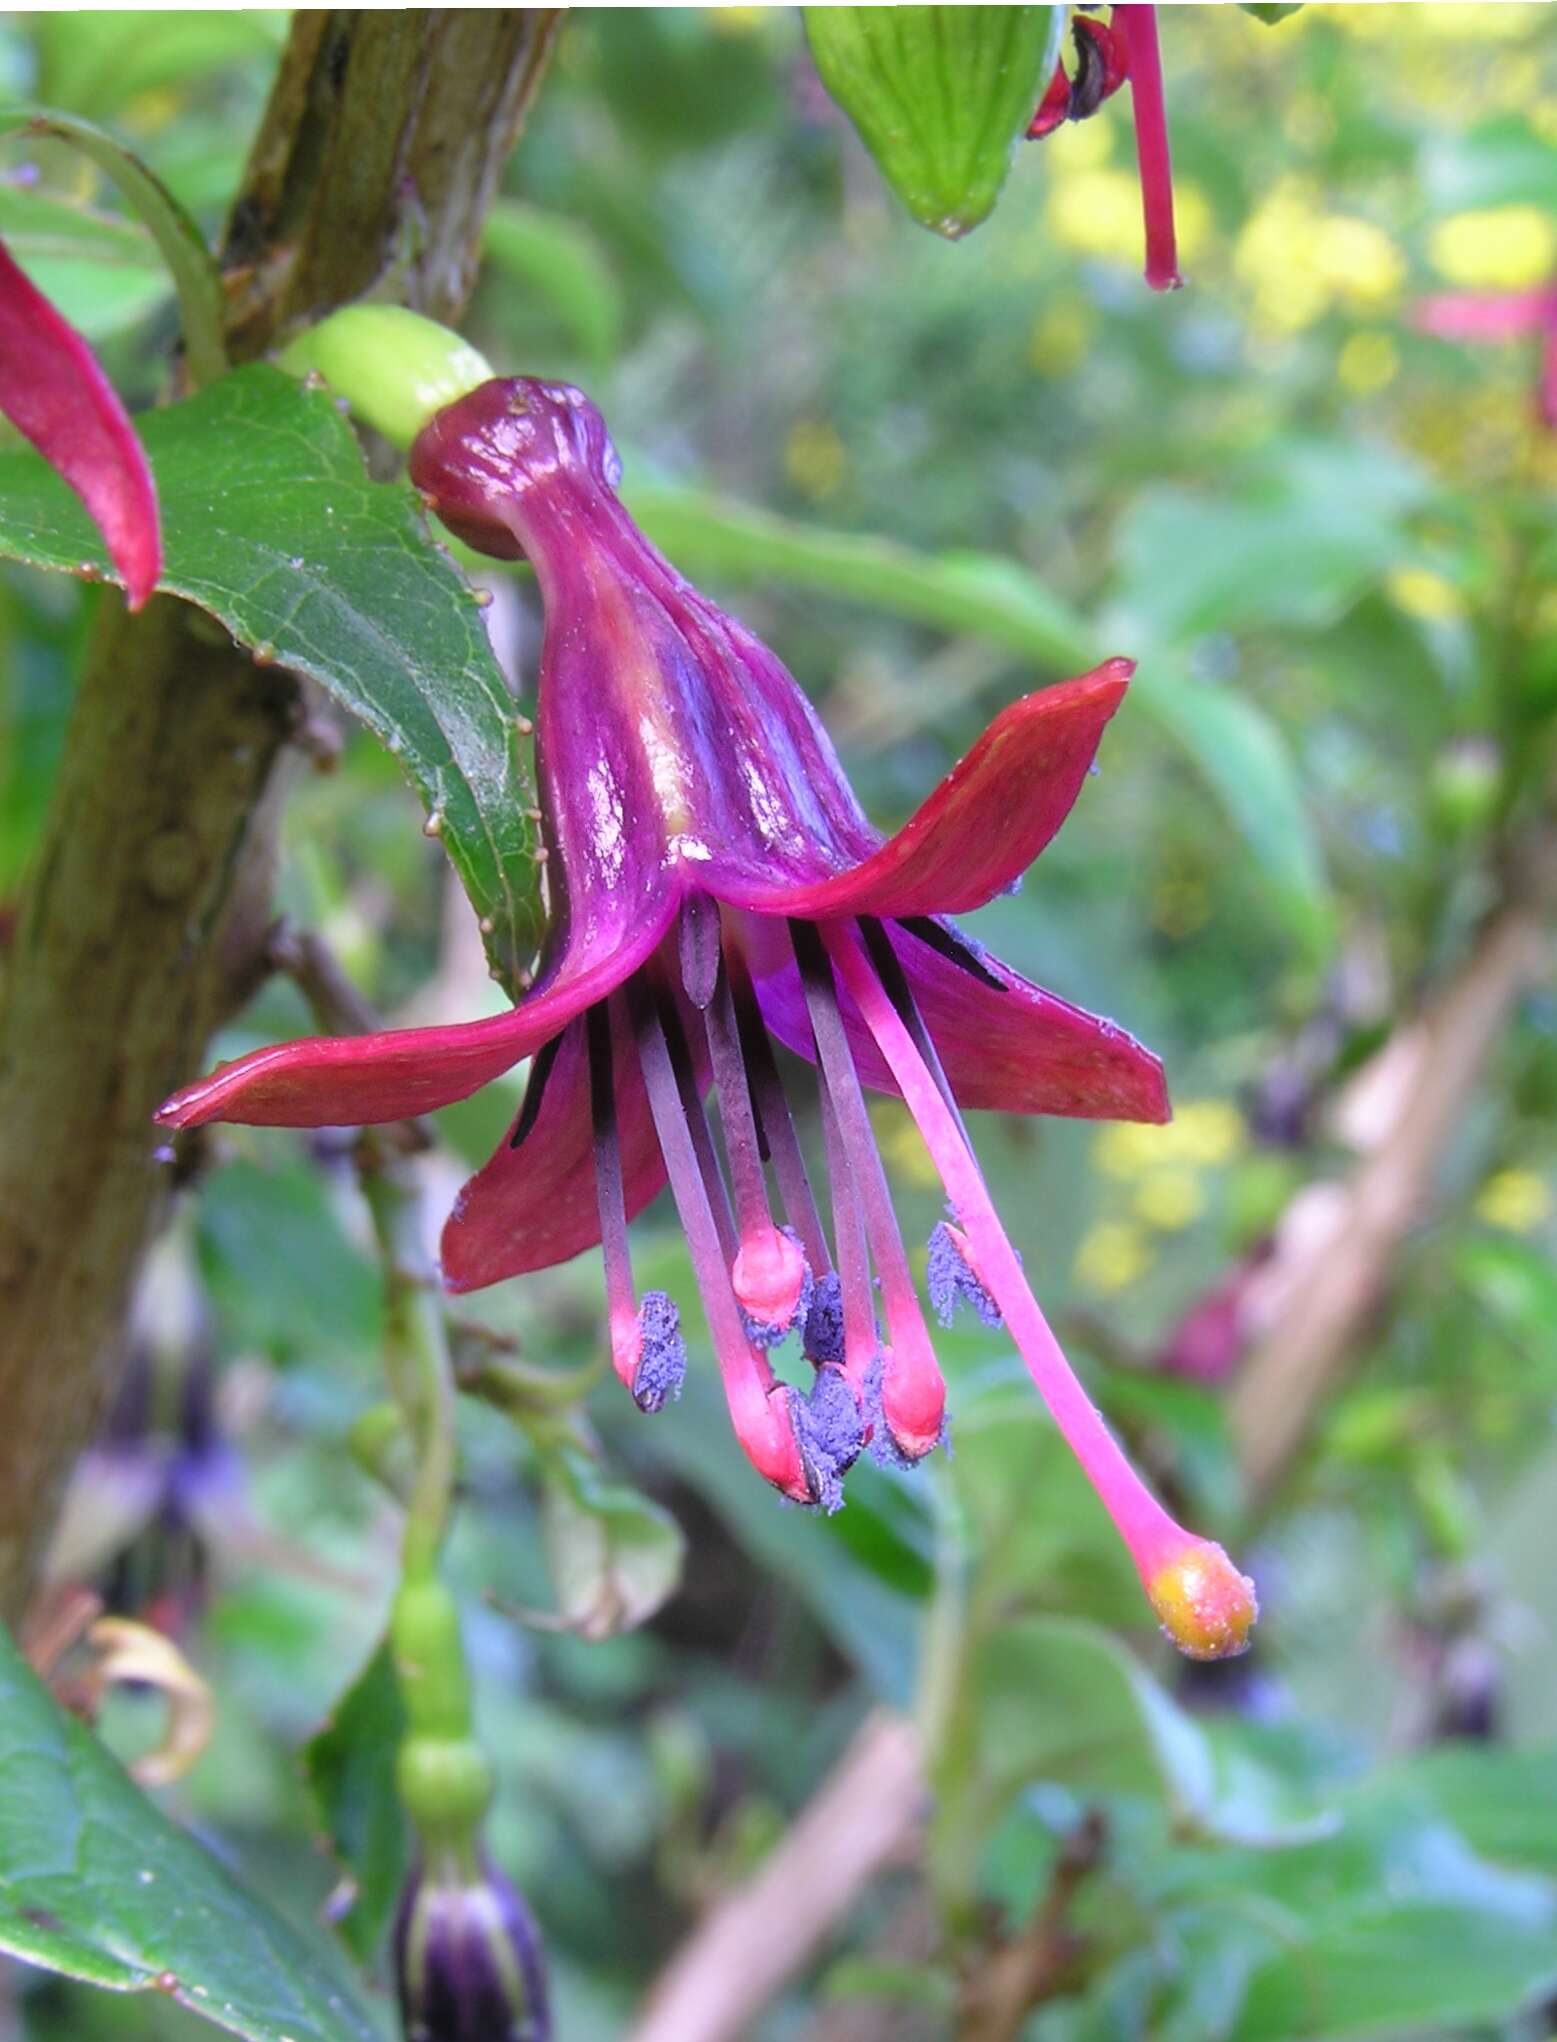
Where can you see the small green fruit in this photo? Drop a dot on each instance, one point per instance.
(939, 95)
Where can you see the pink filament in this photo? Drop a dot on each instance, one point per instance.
(1152, 1536)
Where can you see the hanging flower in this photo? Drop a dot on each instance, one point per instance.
(468, 1960)
(1108, 53)
(716, 888)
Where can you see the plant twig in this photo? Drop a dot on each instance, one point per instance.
(1319, 1291)
(863, 1816)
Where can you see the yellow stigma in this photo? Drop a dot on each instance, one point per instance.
(1204, 1604)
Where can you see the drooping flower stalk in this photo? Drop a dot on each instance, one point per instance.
(54, 393)
(716, 888)
(1106, 55)
(1137, 25)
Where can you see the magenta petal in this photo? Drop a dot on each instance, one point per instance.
(1005, 1044)
(356, 1080)
(53, 391)
(985, 823)
(535, 1206)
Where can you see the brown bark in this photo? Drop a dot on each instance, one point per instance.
(145, 919)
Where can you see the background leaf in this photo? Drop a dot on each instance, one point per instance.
(97, 1883)
(1239, 751)
(271, 523)
(350, 1766)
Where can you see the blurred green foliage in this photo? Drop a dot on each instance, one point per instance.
(1328, 539)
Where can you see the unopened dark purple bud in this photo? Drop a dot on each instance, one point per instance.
(823, 1339)
(662, 1366)
(952, 1280)
(468, 1960)
(829, 1430)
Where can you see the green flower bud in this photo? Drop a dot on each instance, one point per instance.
(393, 367)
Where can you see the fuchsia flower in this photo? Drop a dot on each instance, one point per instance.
(1106, 55)
(1497, 316)
(716, 887)
(52, 390)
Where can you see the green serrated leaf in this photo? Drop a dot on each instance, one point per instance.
(350, 1768)
(271, 523)
(96, 1883)
(939, 96)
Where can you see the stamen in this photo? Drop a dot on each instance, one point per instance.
(830, 1430)
(771, 1280)
(698, 939)
(535, 1091)
(913, 1392)
(647, 1350)
(890, 971)
(1205, 1605)
(759, 1408)
(859, 1341)
(952, 1279)
(775, 1125)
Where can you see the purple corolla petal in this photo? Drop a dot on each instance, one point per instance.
(353, 1080)
(985, 823)
(534, 1206)
(1004, 1043)
(52, 390)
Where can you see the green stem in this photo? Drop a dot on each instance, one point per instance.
(416, 1353)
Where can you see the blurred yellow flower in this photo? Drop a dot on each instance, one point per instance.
(1518, 1200)
(1506, 248)
(1367, 363)
(814, 458)
(1204, 1134)
(1299, 261)
(1420, 593)
(1208, 1131)
(1170, 1200)
(1112, 1256)
(1061, 335)
(1098, 213)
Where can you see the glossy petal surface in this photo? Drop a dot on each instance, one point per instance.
(986, 822)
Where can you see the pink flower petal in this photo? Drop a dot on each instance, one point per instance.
(985, 823)
(363, 1080)
(534, 1206)
(53, 391)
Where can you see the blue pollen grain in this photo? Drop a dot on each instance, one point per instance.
(951, 1281)
(823, 1337)
(662, 1367)
(829, 1430)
